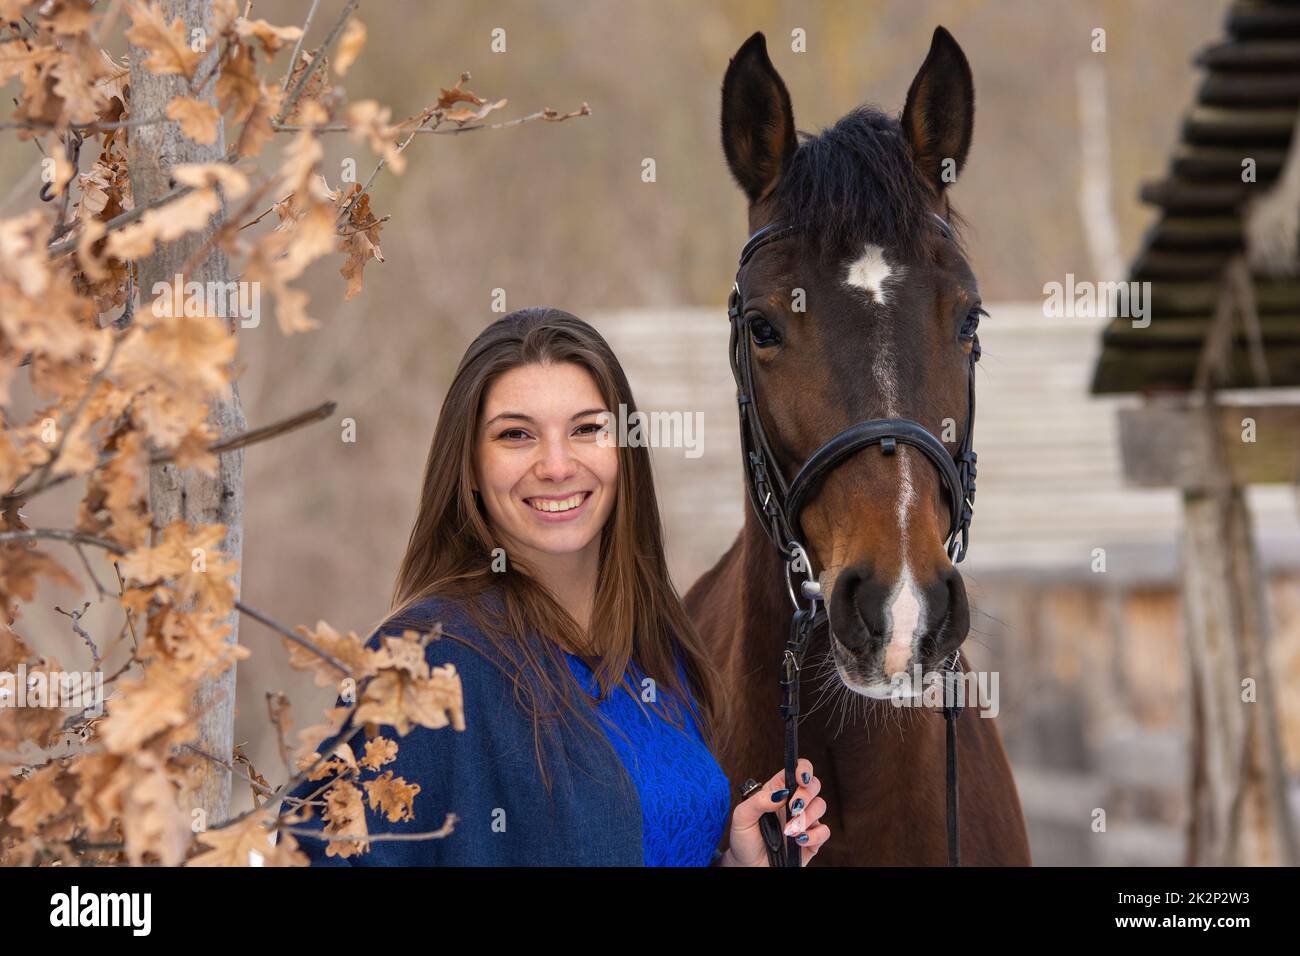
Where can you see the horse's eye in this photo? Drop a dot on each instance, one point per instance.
(972, 323)
(762, 332)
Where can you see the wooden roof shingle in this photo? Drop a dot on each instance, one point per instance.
(1246, 108)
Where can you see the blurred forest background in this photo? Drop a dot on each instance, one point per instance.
(558, 214)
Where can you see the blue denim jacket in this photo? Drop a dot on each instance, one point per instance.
(487, 775)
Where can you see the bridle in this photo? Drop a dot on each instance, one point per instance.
(778, 507)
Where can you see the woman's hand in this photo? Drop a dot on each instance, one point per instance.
(746, 844)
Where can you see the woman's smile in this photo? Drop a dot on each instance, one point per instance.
(551, 508)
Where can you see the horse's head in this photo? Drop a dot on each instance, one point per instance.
(867, 311)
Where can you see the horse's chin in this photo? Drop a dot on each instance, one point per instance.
(879, 690)
(901, 689)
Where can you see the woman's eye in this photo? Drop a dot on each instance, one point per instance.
(762, 332)
(513, 434)
(594, 427)
(972, 322)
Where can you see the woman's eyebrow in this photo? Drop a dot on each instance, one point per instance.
(532, 421)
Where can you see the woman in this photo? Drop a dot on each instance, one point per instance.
(537, 548)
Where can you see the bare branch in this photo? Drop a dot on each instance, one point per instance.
(125, 219)
(547, 115)
(424, 118)
(448, 826)
(264, 433)
(297, 47)
(260, 788)
(90, 571)
(296, 638)
(270, 209)
(95, 127)
(243, 439)
(292, 101)
(75, 617)
(352, 232)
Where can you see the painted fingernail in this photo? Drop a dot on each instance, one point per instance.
(794, 826)
(797, 806)
(806, 776)
(780, 795)
(801, 838)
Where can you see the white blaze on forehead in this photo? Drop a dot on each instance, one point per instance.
(870, 270)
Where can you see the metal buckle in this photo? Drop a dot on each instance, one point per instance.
(810, 588)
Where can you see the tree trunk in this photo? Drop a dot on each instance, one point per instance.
(188, 494)
(1239, 812)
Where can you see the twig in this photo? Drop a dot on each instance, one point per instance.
(195, 89)
(202, 252)
(260, 788)
(270, 209)
(62, 534)
(72, 151)
(135, 638)
(370, 225)
(292, 101)
(297, 47)
(448, 826)
(296, 638)
(277, 710)
(356, 196)
(128, 310)
(98, 587)
(125, 219)
(324, 410)
(265, 432)
(81, 631)
(123, 669)
(548, 115)
(92, 127)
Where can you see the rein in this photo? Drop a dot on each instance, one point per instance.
(778, 506)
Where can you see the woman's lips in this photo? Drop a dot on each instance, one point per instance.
(553, 516)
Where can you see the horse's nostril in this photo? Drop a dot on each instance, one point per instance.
(858, 609)
(953, 624)
(846, 620)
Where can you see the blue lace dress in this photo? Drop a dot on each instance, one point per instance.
(685, 796)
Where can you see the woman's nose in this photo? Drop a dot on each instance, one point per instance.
(556, 462)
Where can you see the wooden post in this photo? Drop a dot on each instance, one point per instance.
(1239, 810)
(173, 493)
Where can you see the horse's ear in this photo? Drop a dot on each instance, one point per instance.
(758, 134)
(940, 113)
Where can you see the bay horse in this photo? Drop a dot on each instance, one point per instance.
(865, 313)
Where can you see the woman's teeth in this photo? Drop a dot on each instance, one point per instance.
(557, 504)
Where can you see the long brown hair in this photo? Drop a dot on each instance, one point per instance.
(637, 615)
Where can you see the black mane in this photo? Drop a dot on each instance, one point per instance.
(855, 183)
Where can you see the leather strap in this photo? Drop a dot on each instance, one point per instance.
(886, 432)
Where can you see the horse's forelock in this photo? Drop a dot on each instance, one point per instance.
(855, 183)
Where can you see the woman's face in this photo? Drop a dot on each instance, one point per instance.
(547, 484)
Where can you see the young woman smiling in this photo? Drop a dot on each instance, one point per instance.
(537, 546)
